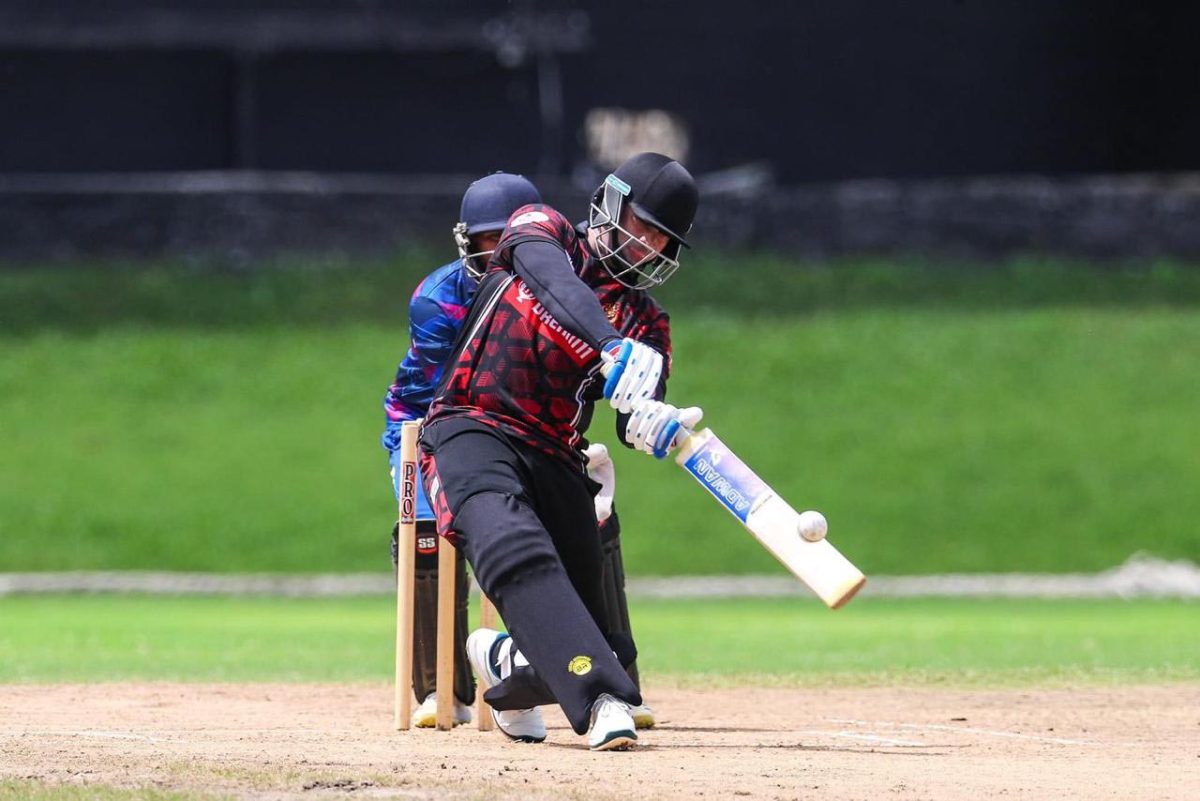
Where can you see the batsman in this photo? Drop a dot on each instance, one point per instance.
(437, 309)
(502, 447)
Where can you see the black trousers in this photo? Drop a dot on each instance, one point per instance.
(617, 626)
(527, 524)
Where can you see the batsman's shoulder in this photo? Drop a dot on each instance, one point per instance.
(537, 221)
(540, 214)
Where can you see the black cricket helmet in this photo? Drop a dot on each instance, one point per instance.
(659, 191)
(486, 206)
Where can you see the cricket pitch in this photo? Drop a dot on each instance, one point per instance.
(284, 741)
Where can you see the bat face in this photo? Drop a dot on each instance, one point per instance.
(771, 520)
(723, 474)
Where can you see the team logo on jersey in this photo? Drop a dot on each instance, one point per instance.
(544, 323)
(612, 312)
(580, 665)
(528, 218)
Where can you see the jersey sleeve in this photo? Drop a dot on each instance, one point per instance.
(433, 333)
(436, 310)
(547, 271)
(536, 222)
(542, 247)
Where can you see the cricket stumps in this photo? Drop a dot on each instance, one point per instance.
(405, 604)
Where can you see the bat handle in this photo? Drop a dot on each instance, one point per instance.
(607, 360)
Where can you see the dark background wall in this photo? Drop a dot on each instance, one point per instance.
(821, 91)
(981, 126)
(871, 88)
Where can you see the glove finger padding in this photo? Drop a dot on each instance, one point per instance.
(646, 422)
(669, 438)
(654, 426)
(690, 416)
(634, 375)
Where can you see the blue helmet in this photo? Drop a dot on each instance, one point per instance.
(486, 206)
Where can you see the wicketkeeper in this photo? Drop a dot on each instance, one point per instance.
(436, 312)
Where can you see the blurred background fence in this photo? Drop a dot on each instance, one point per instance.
(249, 129)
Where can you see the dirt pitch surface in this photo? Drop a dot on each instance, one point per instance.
(335, 741)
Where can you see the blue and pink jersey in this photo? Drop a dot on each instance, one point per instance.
(436, 312)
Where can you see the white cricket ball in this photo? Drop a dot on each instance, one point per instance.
(812, 526)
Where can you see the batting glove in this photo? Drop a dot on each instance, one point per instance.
(633, 374)
(600, 470)
(656, 427)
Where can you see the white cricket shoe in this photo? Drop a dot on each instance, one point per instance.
(522, 725)
(643, 716)
(612, 727)
(425, 715)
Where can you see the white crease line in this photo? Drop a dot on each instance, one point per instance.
(989, 732)
(869, 737)
(1060, 740)
(876, 739)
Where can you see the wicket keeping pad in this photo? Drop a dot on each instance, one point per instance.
(424, 672)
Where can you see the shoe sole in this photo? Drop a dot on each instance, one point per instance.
(618, 741)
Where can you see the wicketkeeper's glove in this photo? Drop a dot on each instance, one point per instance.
(600, 470)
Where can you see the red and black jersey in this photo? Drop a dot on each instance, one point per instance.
(516, 367)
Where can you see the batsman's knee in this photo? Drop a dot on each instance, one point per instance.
(504, 540)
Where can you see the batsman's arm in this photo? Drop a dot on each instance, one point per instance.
(546, 269)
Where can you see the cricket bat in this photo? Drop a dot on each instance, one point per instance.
(770, 518)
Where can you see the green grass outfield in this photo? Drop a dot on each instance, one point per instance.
(1030, 417)
(783, 641)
